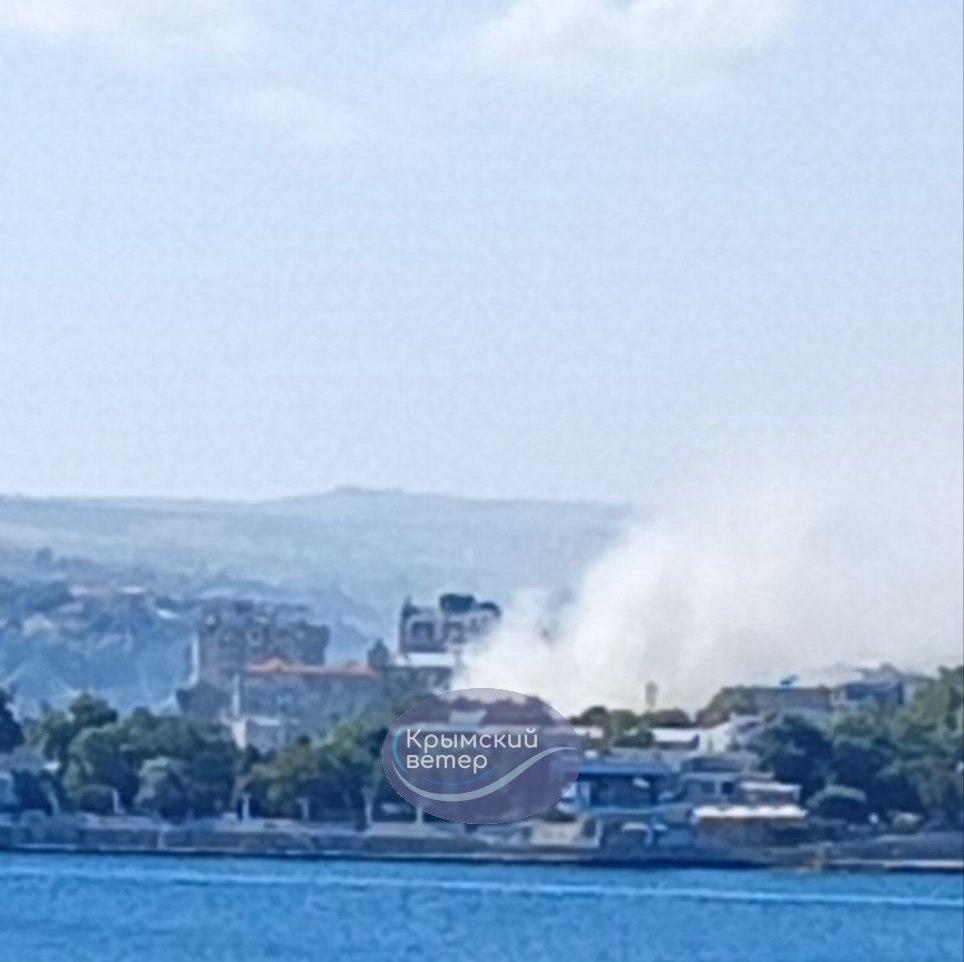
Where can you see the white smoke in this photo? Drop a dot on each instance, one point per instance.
(742, 589)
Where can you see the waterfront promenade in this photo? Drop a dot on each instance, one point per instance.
(941, 852)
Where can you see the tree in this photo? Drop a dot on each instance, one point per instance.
(929, 734)
(208, 776)
(595, 717)
(939, 704)
(280, 785)
(35, 791)
(866, 756)
(52, 734)
(97, 758)
(622, 720)
(666, 718)
(96, 799)
(95, 749)
(352, 753)
(330, 779)
(89, 711)
(798, 752)
(163, 789)
(727, 701)
(840, 802)
(11, 734)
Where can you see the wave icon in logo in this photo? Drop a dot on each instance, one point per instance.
(481, 756)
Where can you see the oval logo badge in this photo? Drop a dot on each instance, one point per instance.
(481, 756)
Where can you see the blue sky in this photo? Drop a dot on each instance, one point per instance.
(565, 248)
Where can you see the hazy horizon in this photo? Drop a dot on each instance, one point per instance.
(703, 257)
(568, 250)
(294, 496)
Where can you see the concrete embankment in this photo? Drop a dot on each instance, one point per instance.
(923, 852)
(935, 852)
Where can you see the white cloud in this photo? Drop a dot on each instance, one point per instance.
(148, 28)
(636, 41)
(191, 36)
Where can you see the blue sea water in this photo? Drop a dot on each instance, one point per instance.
(100, 909)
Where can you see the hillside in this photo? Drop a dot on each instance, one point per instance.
(350, 556)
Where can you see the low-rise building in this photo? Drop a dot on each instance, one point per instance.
(263, 673)
(420, 673)
(276, 702)
(749, 825)
(883, 687)
(234, 635)
(456, 621)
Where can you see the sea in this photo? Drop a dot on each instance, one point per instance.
(82, 908)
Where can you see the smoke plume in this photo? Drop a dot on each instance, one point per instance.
(741, 589)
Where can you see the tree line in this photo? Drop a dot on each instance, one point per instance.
(875, 762)
(866, 763)
(176, 768)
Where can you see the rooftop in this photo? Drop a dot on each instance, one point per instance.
(278, 666)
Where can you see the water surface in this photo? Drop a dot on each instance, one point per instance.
(162, 909)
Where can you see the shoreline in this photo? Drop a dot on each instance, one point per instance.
(750, 861)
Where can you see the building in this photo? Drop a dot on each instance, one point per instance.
(264, 674)
(750, 825)
(817, 695)
(420, 673)
(815, 703)
(454, 623)
(883, 687)
(736, 788)
(625, 804)
(240, 633)
(432, 642)
(276, 702)
(619, 786)
(234, 635)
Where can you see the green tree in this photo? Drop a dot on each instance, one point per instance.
(97, 758)
(595, 717)
(52, 734)
(622, 720)
(638, 737)
(37, 791)
(103, 750)
(90, 711)
(208, 776)
(867, 757)
(840, 802)
(939, 704)
(727, 701)
(929, 734)
(797, 751)
(163, 789)
(280, 785)
(352, 757)
(331, 779)
(666, 718)
(11, 734)
(96, 799)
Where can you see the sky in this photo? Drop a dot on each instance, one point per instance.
(579, 249)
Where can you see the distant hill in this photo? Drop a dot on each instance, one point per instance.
(351, 556)
(374, 546)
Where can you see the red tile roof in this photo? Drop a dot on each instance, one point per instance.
(278, 666)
